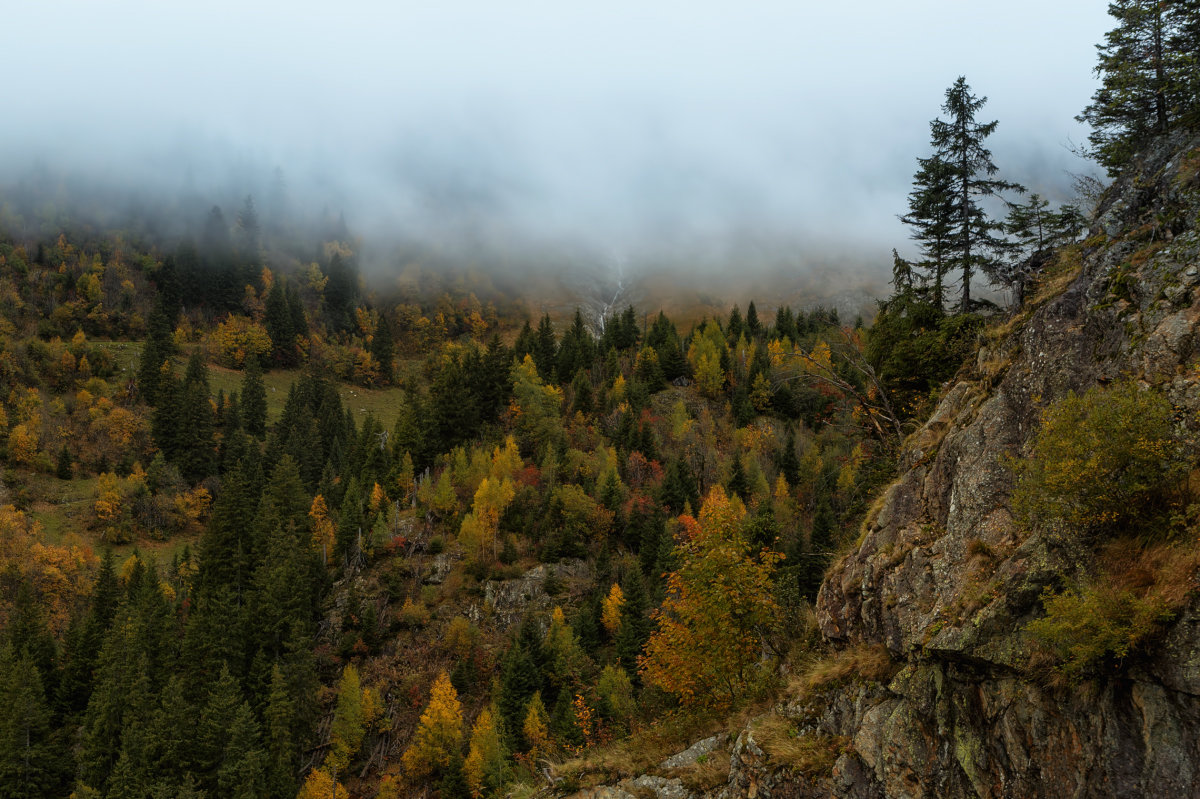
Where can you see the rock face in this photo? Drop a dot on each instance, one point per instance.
(944, 580)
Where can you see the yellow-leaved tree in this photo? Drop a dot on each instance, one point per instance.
(438, 737)
(320, 784)
(718, 608)
(479, 527)
(484, 766)
(610, 611)
(323, 533)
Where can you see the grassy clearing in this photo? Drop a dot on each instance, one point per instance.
(382, 403)
(62, 509)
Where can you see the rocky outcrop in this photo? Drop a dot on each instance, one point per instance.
(946, 582)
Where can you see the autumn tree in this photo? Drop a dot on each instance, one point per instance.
(718, 609)
(320, 784)
(349, 726)
(479, 527)
(438, 736)
(485, 764)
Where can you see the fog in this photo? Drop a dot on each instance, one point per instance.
(760, 137)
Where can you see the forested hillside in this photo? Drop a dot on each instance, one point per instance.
(271, 527)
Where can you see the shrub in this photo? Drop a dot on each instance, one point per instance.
(1085, 627)
(1105, 460)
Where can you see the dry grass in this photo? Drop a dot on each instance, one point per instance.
(812, 754)
(864, 663)
(640, 752)
(1058, 275)
(1165, 571)
(710, 771)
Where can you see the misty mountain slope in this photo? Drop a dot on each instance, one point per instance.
(939, 686)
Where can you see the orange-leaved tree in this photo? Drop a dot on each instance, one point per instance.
(718, 608)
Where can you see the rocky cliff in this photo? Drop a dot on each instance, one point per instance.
(936, 695)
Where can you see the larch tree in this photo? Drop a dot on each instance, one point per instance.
(438, 737)
(484, 766)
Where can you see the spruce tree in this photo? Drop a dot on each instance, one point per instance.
(545, 353)
(196, 447)
(931, 208)
(281, 748)
(975, 244)
(26, 768)
(383, 349)
(62, 469)
(278, 320)
(242, 770)
(1142, 79)
(159, 348)
(738, 484)
(819, 552)
(253, 404)
(753, 325)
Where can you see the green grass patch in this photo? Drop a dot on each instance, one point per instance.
(62, 509)
(382, 403)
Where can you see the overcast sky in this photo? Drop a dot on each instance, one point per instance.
(618, 120)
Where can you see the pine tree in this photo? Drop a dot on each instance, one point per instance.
(958, 144)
